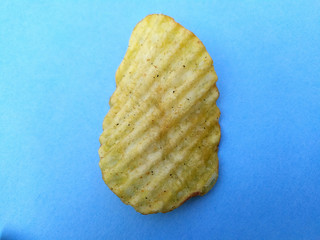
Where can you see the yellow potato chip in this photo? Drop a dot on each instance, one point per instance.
(160, 137)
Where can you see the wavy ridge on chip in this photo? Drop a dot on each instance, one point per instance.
(160, 138)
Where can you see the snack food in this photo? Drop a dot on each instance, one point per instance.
(160, 137)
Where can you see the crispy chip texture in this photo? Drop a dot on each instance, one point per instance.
(160, 137)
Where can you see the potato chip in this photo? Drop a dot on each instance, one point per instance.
(160, 137)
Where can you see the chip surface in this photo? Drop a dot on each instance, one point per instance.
(160, 137)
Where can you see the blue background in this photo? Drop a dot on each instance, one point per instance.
(57, 65)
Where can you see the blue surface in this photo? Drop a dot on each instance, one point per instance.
(57, 65)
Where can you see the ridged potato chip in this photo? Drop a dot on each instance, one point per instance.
(160, 137)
